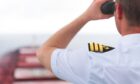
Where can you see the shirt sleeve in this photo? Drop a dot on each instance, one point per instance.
(71, 65)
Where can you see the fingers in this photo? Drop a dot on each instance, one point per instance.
(94, 11)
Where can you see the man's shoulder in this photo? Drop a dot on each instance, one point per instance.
(102, 53)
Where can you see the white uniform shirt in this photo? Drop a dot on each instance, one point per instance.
(118, 66)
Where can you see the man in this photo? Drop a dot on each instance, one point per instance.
(97, 64)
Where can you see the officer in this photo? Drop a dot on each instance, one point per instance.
(97, 63)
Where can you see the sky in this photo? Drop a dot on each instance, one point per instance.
(47, 16)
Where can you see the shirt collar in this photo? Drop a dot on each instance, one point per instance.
(131, 39)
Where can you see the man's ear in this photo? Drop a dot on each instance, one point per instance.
(119, 12)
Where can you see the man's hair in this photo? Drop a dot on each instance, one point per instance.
(131, 9)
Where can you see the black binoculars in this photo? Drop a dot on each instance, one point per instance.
(108, 7)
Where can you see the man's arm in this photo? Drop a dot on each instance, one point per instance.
(62, 38)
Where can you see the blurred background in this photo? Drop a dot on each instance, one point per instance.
(26, 24)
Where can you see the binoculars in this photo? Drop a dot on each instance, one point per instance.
(108, 7)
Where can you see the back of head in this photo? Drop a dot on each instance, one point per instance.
(131, 9)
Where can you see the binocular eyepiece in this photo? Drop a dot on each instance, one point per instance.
(108, 7)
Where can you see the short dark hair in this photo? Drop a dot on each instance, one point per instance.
(131, 9)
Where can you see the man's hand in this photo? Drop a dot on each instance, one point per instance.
(94, 12)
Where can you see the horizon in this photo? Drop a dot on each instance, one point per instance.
(13, 42)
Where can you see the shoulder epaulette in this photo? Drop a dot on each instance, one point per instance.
(99, 48)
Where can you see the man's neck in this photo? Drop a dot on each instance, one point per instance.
(131, 30)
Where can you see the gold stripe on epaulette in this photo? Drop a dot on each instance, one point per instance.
(95, 47)
(91, 46)
(101, 47)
